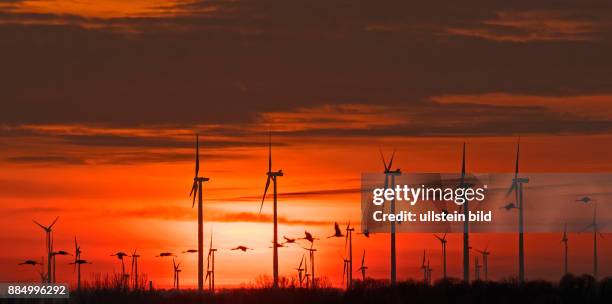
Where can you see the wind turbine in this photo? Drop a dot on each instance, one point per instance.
(595, 232)
(120, 255)
(311, 252)
(306, 274)
(134, 271)
(196, 190)
(210, 266)
(78, 262)
(345, 272)
(443, 241)
(485, 262)
(429, 270)
(363, 267)
(177, 272)
(466, 227)
(272, 175)
(391, 174)
(517, 188)
(424, 267)
(300, 270)
(49, 244)
(477, 269)
(564, 241)
(56, 253)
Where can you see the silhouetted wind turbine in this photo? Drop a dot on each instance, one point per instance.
(311, 252)
(476, 269)
(300, 270)
(349, 238)
(177, 271)
(595, 232)
(210, 266)
(391, 174)
(443, 242)
(49, 235)
(485, 262)
(196, 189)
(120, 255)
(363, 267)
(429, 270)
(424, 267)
(135, 256)
(517, 187)
(345, 272)
(272, 176)
(466, 227)
(564, 241)
(78, 261)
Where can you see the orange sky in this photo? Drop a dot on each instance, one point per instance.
(145, 206)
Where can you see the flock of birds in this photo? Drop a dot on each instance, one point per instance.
(305, 274)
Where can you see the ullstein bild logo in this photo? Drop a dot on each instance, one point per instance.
(487, 202)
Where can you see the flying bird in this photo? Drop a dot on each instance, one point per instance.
(190, 251)
(509, 206)
(338, 232)
(308, 237)
(243, 248)
(30, 262)
(585, 200)
(119, 255)
(288, 240)
(165, 254)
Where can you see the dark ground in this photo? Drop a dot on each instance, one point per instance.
(570, 289)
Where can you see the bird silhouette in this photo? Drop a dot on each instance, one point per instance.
(190, 251)
(81, 262)
(288, 240)
(30, 262)
(509, 206)
(120, 255)
(308, 237)
(243, 248)
(338, 232)
(165, 254)
(585, 200)
(61, 252)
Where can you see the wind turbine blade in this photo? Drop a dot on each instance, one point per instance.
(391, 160)
(270, 152)
(264, 194)
(463, 165)
(518, 149)
(195, 191)
(54, 221)
(512, 188)
(382, 157)
(444, 237)
(302, 261)
(363, 258)
(197, 165)
(41, 226)
(423, 263)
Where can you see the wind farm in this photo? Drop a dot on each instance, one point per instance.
(308, 275)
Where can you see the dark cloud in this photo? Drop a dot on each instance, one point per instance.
(229, 65)
(62, 160)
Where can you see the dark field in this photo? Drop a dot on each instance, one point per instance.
(570, 289)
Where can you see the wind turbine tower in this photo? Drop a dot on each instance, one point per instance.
(196, 189)
(272, 176)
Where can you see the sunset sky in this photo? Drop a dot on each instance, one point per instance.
(101, 100)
